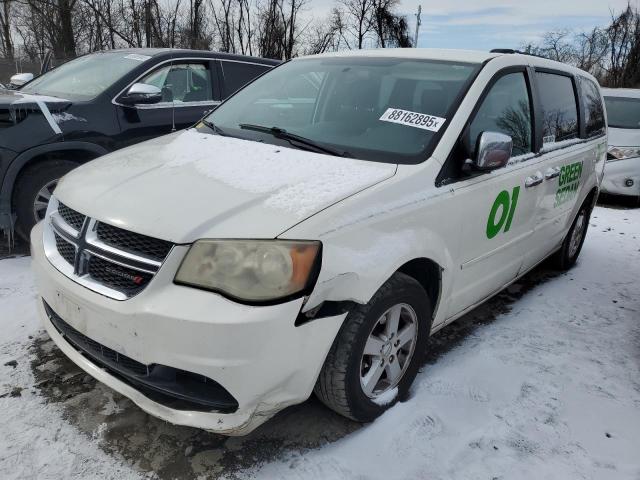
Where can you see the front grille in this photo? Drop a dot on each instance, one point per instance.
(73, 218)
(135, 243)
(174, 388)
(106, 259)
(65, 249)
(122, 279)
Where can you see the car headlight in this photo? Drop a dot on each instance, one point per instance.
(622, 153)
(252, 271)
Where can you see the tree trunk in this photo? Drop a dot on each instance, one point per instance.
(67, 44)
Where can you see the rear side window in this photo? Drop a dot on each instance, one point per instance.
(506, 109)
(623, 112)
(593, 109)
(238, 74)
(559, 108)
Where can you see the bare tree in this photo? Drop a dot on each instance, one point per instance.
(289, 12)
(611, 54)
(6, 39)
(591, 50)
(357, 19)
(623, 39)
(392, 30)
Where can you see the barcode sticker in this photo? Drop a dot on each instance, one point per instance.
(413, 119)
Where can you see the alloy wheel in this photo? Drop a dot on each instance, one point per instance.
(388, 351)
(577, 233)
(41, 201)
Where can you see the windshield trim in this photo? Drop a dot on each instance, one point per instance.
(417, 158)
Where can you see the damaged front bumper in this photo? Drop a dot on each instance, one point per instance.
(255, 354)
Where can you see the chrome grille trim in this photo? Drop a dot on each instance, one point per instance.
(93, 240)
(58, 235)
(61, 225)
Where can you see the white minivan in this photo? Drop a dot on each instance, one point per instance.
(622, 175)
(314, 230)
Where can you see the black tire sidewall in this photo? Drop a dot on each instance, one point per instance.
(568, 261)
(28, 186)
(411, 293)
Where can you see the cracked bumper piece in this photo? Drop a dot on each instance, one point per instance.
(187, 356)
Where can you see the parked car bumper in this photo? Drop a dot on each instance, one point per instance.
(256, 354)
(622, 177)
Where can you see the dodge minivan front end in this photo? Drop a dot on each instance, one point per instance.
(110, 299)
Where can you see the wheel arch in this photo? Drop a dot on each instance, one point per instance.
(428, 274)
(78, 151)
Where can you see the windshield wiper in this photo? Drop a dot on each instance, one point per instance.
(214, 127)
(292, 137)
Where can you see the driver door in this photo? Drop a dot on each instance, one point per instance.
(496, 210)
(189, 89)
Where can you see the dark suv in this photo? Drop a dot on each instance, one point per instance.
(99, 103)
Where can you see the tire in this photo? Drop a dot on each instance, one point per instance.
(566, 257)
(31, 182)
(339, 385)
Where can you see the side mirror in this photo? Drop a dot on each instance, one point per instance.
(20, 79)
(493, 150)
(141, 94)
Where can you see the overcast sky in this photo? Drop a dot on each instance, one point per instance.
(487, 24)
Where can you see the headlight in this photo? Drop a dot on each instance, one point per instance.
(622, 153)
(254, 271)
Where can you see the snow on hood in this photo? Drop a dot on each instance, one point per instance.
(16, 100)
(16, 97)
(191, 185)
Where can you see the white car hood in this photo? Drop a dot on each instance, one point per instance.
(191, 185)
(624, 137)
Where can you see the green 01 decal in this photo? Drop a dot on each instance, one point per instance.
(506, 205)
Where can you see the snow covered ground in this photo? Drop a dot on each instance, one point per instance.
(541, 382)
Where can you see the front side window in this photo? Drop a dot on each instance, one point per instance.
(182, 82)
(86, 77)
(559, 108)
(344, 103)
(593, 108)
(623, 112)
(506, 109)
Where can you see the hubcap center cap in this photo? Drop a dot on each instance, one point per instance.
(386, 349)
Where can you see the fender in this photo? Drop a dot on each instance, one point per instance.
(6, 191)
(371, 235)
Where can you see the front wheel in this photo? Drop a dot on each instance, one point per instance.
(33, 192)
(566, 257)
(378, 351)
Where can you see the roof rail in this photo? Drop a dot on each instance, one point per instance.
(504, 50)
(510, 50)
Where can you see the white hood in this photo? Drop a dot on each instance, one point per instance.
(191, 185)
(624, 137)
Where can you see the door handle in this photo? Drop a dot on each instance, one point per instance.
(533, 180)
(552, 172)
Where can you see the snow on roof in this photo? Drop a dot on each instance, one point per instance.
(469, 56)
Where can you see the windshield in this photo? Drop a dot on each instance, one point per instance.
(380, 109)
(623, 112)
(86, 77)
